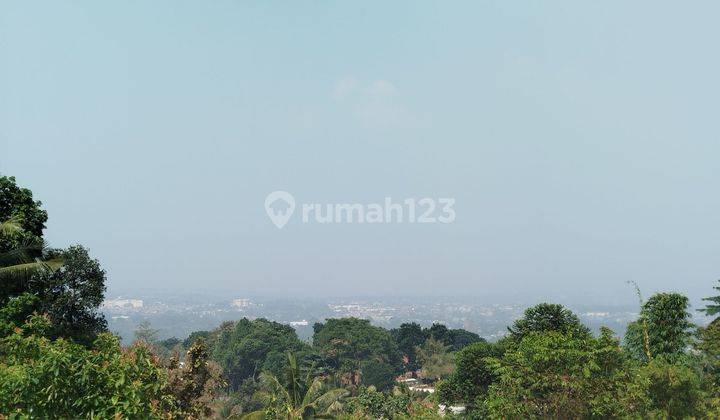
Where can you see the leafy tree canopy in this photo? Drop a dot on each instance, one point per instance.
(46, 378)
(472, 375)
(18, 202)
(713, 308)
(547, 317)
(408, 337)
(72, 295)
(666, 321)
(347, 342)
(462, 338)
(560, 375)
(244, 348)
(435, 359)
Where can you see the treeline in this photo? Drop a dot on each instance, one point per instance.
(551, 366)
(347, 352)
(57, 359)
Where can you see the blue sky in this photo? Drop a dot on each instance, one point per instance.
(580, 140)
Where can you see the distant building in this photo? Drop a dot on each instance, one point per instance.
(241, 303)
(453, 409)
(597, 314)
(422, 388)
(120, 303)
(302, 323)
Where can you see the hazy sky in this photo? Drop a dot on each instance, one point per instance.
(579, 139)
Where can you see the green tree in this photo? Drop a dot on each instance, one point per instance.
(371, 403)
(439, 332)
(17, 204)
(298, 395)
(708, 347)
(377, 374)
(348, 343)
(472, 375)
(408, 337)
(676, 389)
(245, 348)
(145, 333)
(72, 295)
(713, 308)
(15, 313)
(68, 284)
(669, 330)
(462, 338)
(22, 260)
(546, 317)
(43, 378)
(436, 361)
(558, 375)
(196, 335)
(170, 344)
(195, 383)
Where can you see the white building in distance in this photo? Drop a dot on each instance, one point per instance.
(121, 303)
(241, 303)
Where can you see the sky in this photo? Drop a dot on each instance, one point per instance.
(579, 140)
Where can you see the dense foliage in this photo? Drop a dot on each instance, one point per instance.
(246, 348)
(48, 378)
(360, 352)
(664, 327)
(19, 203)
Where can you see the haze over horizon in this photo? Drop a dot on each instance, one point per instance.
(579, 141)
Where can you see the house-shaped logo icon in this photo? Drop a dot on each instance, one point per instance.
(279, 206)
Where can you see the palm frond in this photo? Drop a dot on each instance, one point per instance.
(24, 271)
(327, 399)
(312, 391)
(273, 383)
(11, 226)
(20, 255)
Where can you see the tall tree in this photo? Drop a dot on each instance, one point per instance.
(462, 338)
(72, 294)
(408, 337)
(546, 317)
(435, 359)
(349, 343)
(708, 347)
(68, 285)
(713, 308)
(666, 321)
(19, 264)
(195, 383)
(439, 332)
(17, 203)
(245, 348)
(145, 333)
(472, 375)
